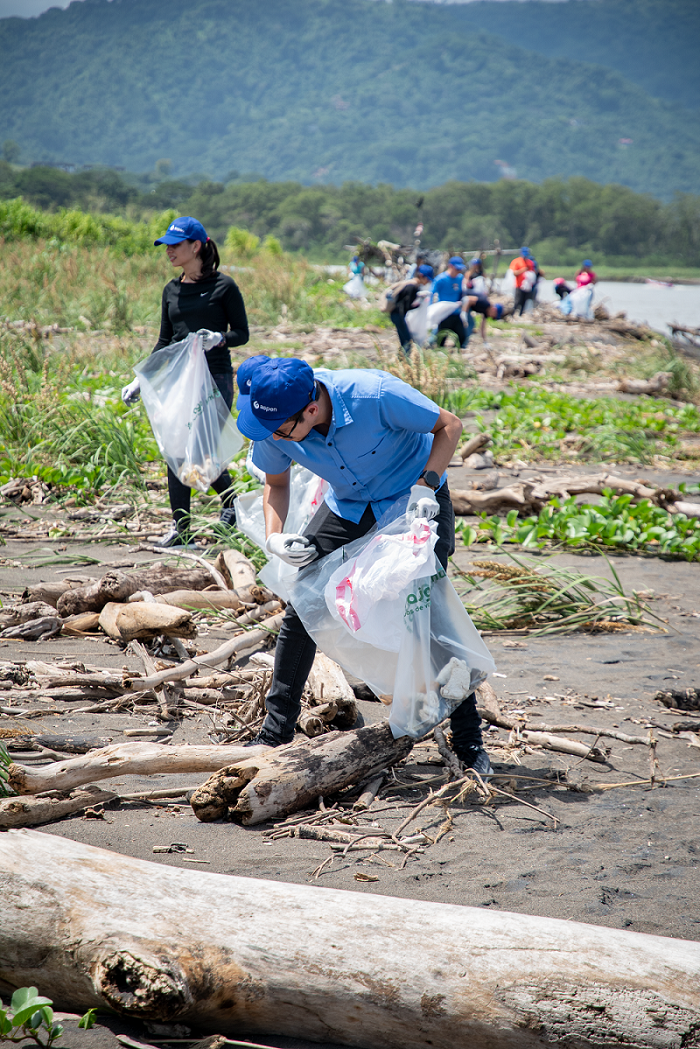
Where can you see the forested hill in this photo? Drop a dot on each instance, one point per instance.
(325, 91)
(654, 43)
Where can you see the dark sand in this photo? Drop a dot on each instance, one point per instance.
(625, 858)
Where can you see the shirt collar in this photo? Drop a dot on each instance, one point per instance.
(341, 415)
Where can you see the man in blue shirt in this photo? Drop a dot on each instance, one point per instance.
(449, 287)
(374, 439)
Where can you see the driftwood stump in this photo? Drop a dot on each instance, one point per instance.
(291, 777)
(244, 956)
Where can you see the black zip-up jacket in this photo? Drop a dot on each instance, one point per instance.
(214, 303)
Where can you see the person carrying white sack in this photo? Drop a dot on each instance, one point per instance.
(375, 440)
(200, 299)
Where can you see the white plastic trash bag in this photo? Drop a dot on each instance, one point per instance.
(440, 658)
(579, 303)
(417, 320)
(361, 594)
(439, 310)
(191, 422)
(306, 493)
(355, 287)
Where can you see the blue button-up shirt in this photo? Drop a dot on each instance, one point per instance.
(448, 289)
(377, 444)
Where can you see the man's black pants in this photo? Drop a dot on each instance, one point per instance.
(295, 649)
(521, 299)
(454, 324)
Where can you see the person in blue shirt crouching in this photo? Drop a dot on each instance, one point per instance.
(449, 287)
(375, 440)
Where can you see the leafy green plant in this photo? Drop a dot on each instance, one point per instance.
(30, 1015)
(614, 522)
(5, 762)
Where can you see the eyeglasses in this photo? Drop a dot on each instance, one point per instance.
(294, 419)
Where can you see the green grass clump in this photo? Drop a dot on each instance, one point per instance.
(552, 600)
(614, 522)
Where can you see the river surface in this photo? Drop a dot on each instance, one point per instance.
(656, 306)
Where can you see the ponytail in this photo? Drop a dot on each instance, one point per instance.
(209, 257)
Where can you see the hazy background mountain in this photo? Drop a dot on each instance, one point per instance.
(409, 93)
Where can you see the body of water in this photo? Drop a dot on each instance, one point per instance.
(649, 303)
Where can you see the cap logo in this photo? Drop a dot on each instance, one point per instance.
(263, 407)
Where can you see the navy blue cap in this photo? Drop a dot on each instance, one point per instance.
(244, 376)
(185, 228)
(456, 262)
(278, 388)
(427, 271)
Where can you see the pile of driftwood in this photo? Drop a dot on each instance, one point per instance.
(529, 497)
(143, 604)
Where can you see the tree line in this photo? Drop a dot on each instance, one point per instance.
(563, 219)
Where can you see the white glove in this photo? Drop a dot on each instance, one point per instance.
(422, 503)
(132, 392)
(210, 339)
(295, 549)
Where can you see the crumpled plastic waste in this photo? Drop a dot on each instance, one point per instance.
(455, 679)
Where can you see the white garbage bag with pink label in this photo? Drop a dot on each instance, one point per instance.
(384, 609)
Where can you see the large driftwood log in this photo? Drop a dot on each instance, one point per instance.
(118, 586)
(291, 777)
(30, 812)
(127, 622)
(14, 615)
(248, 957)
(50, 592)
(127, 759)
(530, 496)
(212, 599)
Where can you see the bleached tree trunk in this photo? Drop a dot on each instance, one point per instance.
(127, 759)
(245, 956)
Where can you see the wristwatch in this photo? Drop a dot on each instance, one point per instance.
(431, 478)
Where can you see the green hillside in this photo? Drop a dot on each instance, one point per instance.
(326, 91)
(653, 43)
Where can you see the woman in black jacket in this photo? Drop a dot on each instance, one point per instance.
(200, 297)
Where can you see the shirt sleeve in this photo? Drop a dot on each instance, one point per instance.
(165, 336)
(270, 458)
(403, 408)
(234, 308)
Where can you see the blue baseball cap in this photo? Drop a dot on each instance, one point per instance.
(456, 262)
(475, 262)
(185, 228)
(587, 262)
(499, 311)
(524, 252)
(244, 376)
(277, 389)
(426, 271)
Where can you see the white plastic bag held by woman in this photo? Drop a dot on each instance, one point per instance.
(194, 428)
